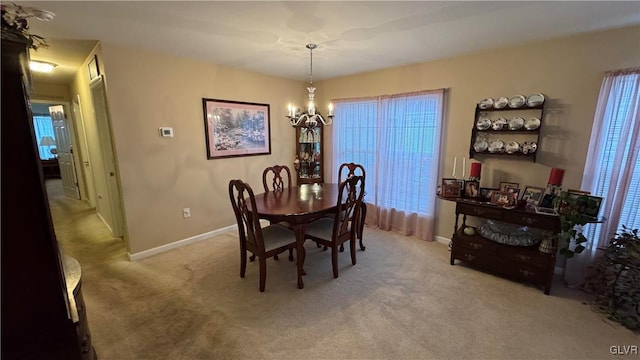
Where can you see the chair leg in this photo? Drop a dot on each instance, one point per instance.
(290, 254)
(252, 257)
(243, 262)
(275, 257)
(263, 273)
(334, 260)
(363, 215)
(352, 247)
(341, 247)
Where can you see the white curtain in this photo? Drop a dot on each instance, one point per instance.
(397, 139)
(612, 168)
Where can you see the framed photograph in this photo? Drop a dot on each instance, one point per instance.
(592, 207)
(533, 194)
(235, 128)
(471, 188)
(94, 70)
(450, 188)
(485, 193)
(501, 198)
(545, 211)
(578, 192)
(505, 185)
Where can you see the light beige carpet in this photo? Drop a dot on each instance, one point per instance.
(401, 301)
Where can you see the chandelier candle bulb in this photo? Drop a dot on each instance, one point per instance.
(330, 109)
(464, 166)
(455, 159)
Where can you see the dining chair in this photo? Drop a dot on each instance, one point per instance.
(334, 232)
(274, 175)
(347, 170)
(263, 243)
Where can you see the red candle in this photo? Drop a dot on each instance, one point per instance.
(555, 177)
(476, 167)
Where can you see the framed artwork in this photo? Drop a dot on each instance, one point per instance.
(501, 198)
(471, 188)
(94, 70)
(505, 185)
(485, 193)
(546, 211)
(235, 128)
(578, 192)
(450, 188)
(533, 194)
(592, 207)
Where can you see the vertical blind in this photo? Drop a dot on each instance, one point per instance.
(43, 127)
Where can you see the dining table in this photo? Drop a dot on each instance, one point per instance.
(298, 206)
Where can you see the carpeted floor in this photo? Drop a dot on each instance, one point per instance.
(401, 301)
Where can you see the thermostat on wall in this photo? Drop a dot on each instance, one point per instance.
(166, 132)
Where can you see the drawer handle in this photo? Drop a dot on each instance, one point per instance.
(523, 257)
(476, 246)
(469, 257)
(526, 273)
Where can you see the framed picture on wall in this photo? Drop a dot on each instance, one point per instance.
(235, 128)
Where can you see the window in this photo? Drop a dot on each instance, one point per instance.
(43, 127)
(397, 139)
(612, 169)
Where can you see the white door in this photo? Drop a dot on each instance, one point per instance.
(65, 151)
(99, 97)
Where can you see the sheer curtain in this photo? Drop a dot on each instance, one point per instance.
(612, 169)
(397, 139)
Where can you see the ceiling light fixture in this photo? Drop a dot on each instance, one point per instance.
(311, 118)
(41, 66)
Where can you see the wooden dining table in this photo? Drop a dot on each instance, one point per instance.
(298, 205)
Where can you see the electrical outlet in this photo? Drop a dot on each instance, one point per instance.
(186, 212)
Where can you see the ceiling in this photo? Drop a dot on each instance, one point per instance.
(270, 36)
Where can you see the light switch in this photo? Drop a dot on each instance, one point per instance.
(166, 132)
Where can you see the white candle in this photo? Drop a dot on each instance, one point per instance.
(330, 109)
(455, 159)
(464, 166)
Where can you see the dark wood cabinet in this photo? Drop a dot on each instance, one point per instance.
(309, 155)
(51, 169)
(36, 322)
(523, 263)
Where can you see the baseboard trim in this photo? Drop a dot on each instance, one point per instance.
(443, 240)
(187, 241)
(181, 243)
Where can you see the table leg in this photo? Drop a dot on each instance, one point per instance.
(299, 231)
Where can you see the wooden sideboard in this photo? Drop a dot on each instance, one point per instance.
(523, 263)
(50, 169)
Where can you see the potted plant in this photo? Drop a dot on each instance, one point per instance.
(613, 281)
(571, 207)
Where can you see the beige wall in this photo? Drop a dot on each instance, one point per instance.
(161, 176)
(568, 71)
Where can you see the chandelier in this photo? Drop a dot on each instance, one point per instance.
(310, 118)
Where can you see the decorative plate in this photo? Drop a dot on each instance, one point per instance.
(532, 124)
(483, 124)
(485, 103)
(480, 146)
(499, 124)
(535, 100)
(496, 146)
(516, 123)
(517, 101)
(512, 147)
(500, 103)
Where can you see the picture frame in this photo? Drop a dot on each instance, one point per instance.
(485, 194)
(502, 198)
(592, 208)
(450, 188)
(505, 185)
(578, 192)
(236, 128)
(94, 69)
(533, 193)
(545, 211)
(471, 188)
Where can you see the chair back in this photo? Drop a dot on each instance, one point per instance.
(350, 169)
(274, 175)
(249, 229)
(350, 194)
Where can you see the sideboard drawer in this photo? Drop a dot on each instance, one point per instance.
(475, 243)
(527, 255)
(547, 222)
(488, 212)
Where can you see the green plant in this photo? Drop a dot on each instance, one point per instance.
(612, 283)
(570, 207)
